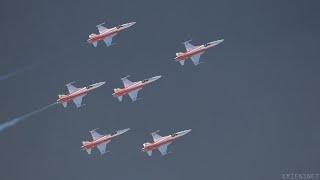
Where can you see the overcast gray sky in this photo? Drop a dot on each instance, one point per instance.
(253, 105)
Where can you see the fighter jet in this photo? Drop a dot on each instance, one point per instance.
(100, 141)
(194, 52)
(132, 88)
(106, 34)
(161, 143)
(76, 94)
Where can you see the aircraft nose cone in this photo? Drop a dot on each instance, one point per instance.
(156, 77)
(96, 85)
(182, 133)
(101, 83)
(129, 24)
(220, 41)
(123, 131)
(217, 42)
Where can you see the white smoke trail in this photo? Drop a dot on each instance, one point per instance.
(13, 73)
(17, 120)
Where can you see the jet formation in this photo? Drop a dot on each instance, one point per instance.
(132, 88)
(76, 94)
(106, 34)
(161, 142)
(100, 141)
(194, 52)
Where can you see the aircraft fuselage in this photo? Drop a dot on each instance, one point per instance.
(156, 145)
(71, 96)
(99, 37)
(188, 54)
(95, 143)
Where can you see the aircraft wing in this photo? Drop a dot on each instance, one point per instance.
(78, 100)
(95, 135)
(72, 88)
(108, 41)
(101, 28)
(126, 81)
(134, 94)
(196, 59)
(163, 149)
(156, 137)
(189, 46)
(103, 146)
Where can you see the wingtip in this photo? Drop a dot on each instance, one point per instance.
(72, 82)
(101, 24)
(94, 129)
(126, 77)
(187, 41)
(155, 131)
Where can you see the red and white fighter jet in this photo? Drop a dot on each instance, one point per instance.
(106, 34)
(161, 143)
(76, 94)
(100, 141)
(194, 52)
(132, 88)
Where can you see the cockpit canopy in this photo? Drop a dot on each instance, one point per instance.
(145, 80)
(175, 134)
(120, 26)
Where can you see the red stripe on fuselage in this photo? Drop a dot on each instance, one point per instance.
(128, 89)
(95, 143)
(71, 96)
(189, 54)
(102, 36)
(157, 144)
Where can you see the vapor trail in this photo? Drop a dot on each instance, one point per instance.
(17, 120)
(17, 71)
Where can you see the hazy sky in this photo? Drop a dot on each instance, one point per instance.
(253, 105)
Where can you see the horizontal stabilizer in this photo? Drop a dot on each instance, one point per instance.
(88, 151)
(64, 104)
(149, 153)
